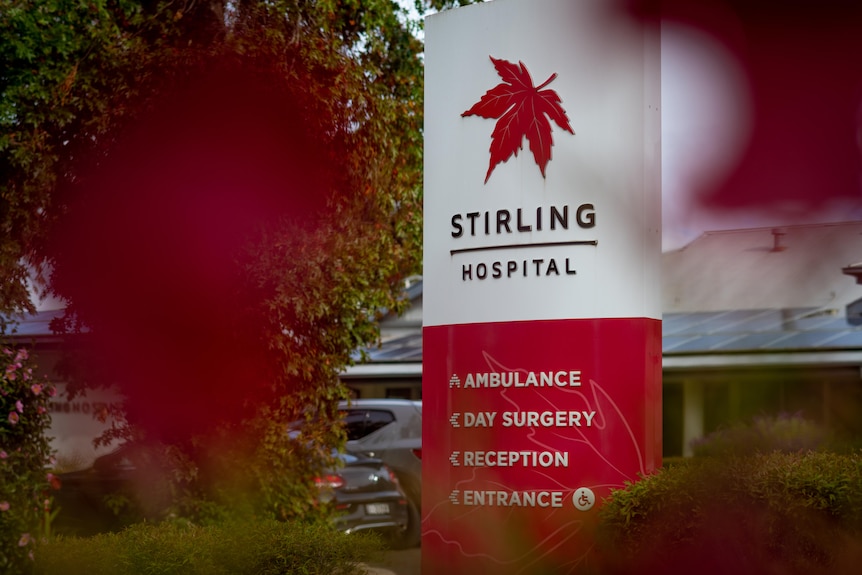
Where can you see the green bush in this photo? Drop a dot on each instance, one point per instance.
(26, 486)
(765, 513)
(253, 546)
(762, 435)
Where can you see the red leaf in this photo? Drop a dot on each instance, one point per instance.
(521, 110)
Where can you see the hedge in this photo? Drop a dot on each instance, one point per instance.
(764, 513)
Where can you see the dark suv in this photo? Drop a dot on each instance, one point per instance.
(391, 430)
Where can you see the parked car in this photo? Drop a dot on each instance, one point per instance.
(367, 496)
(364, 491)
(391, 430)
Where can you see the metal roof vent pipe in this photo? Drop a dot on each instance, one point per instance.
(777, 234)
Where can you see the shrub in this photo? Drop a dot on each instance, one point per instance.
(765, 513)
(762, 435)
(259, 546)
(25, 453)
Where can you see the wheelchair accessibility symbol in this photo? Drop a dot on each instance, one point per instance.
(584, 498)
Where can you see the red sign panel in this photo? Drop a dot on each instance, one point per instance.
(527, 428)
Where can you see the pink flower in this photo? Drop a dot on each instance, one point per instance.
(19, 406)
(13, 417)
(25, 539)
(3, 454)
(36, 388)
(4, 506)
(21, 356)
(53, 480)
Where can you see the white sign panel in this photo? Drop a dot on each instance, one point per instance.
(523, 244)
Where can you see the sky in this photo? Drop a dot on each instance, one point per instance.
(705, 124)
(707, 117)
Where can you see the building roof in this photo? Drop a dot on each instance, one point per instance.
(23, 327)
(777, 268)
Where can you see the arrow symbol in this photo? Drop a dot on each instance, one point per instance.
(454, 420)
(454, 458)
(453, 497)
(454, 381)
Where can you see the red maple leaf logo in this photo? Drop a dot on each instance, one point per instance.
(522, 110)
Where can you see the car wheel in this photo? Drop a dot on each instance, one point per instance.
(411, 535)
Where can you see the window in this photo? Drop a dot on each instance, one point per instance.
(361, 422)
(399, 392)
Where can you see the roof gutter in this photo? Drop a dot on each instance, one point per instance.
(761, 360)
